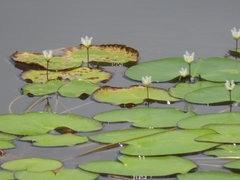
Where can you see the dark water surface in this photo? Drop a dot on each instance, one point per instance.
(156, 28)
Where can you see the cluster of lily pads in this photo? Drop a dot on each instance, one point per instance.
(159, 137)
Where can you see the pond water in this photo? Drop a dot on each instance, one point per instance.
(157, 29)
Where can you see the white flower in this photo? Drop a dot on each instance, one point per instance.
(86, 42)
(47, 55)
(183, 72)
(147, 81)
(188, 58)
(235, 33)
(229, 85)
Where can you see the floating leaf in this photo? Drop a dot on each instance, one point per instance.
(55, 140)
(132, 95)
(4, 141)
(123, 135)
(145, 117)
(170, 67)
(209, 175)
(32, 164)
(72, 57)
(211, 95)
(197, 122)
(134, 166)
(40, 123)
(6, 175)
(92, 75)
(233, 165)
(73, 89)
(76, 88)
(224, 68)
(50, 87)
(226, 150)
(73, 174)
(170, 142)
(235, 53)
(181, 89)
(224, 133)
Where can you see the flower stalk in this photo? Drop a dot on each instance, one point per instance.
(189, 58)
(48, 57)
(146, 82)
(236, 36)
(230, 86)
(87, 43)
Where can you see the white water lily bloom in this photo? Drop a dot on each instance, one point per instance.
(235, 33)
(183, 72)
(47, 55)
(87, 41)
(229, 85)
(147, 81)
(188, 58)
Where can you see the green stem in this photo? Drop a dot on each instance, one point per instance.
(147, 96)
(230, 97)
(236, 44)
(189, 72)
(47, 69)
(88, 57)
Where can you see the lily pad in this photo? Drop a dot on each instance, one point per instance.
(73, 89)
(123, 135)
(63, 174)
(134, 166)
(91, 75)
(197, 122)
(55, 140)
(167, 143)
(213, 95)
(4, 141)
(6, 175)
(233, 165)
(209, 175)
(224, 133)
(72, 57)
(224, 68)
(32, 164)
(145, 117)
(226, 150)
(181, 89)
(40, 123)
(132, 95)
(170, 67)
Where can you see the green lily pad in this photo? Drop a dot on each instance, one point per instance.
(170, 67)
(233, 165)
(209, 175)
(72, 57)
(73, 89)
(55, 140)
(91, 75)
(40, 123)
(224, 133)
(132, 95)
(134, 166)
(32, 164)
(167, 143)
(50, 87)
(224, 68)
(181, 89)
(6, 175)
(145, 117)
(4, 141)
(63, 174)
(123, 135)
(226, 150)
(212, 95)
(197, 122)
